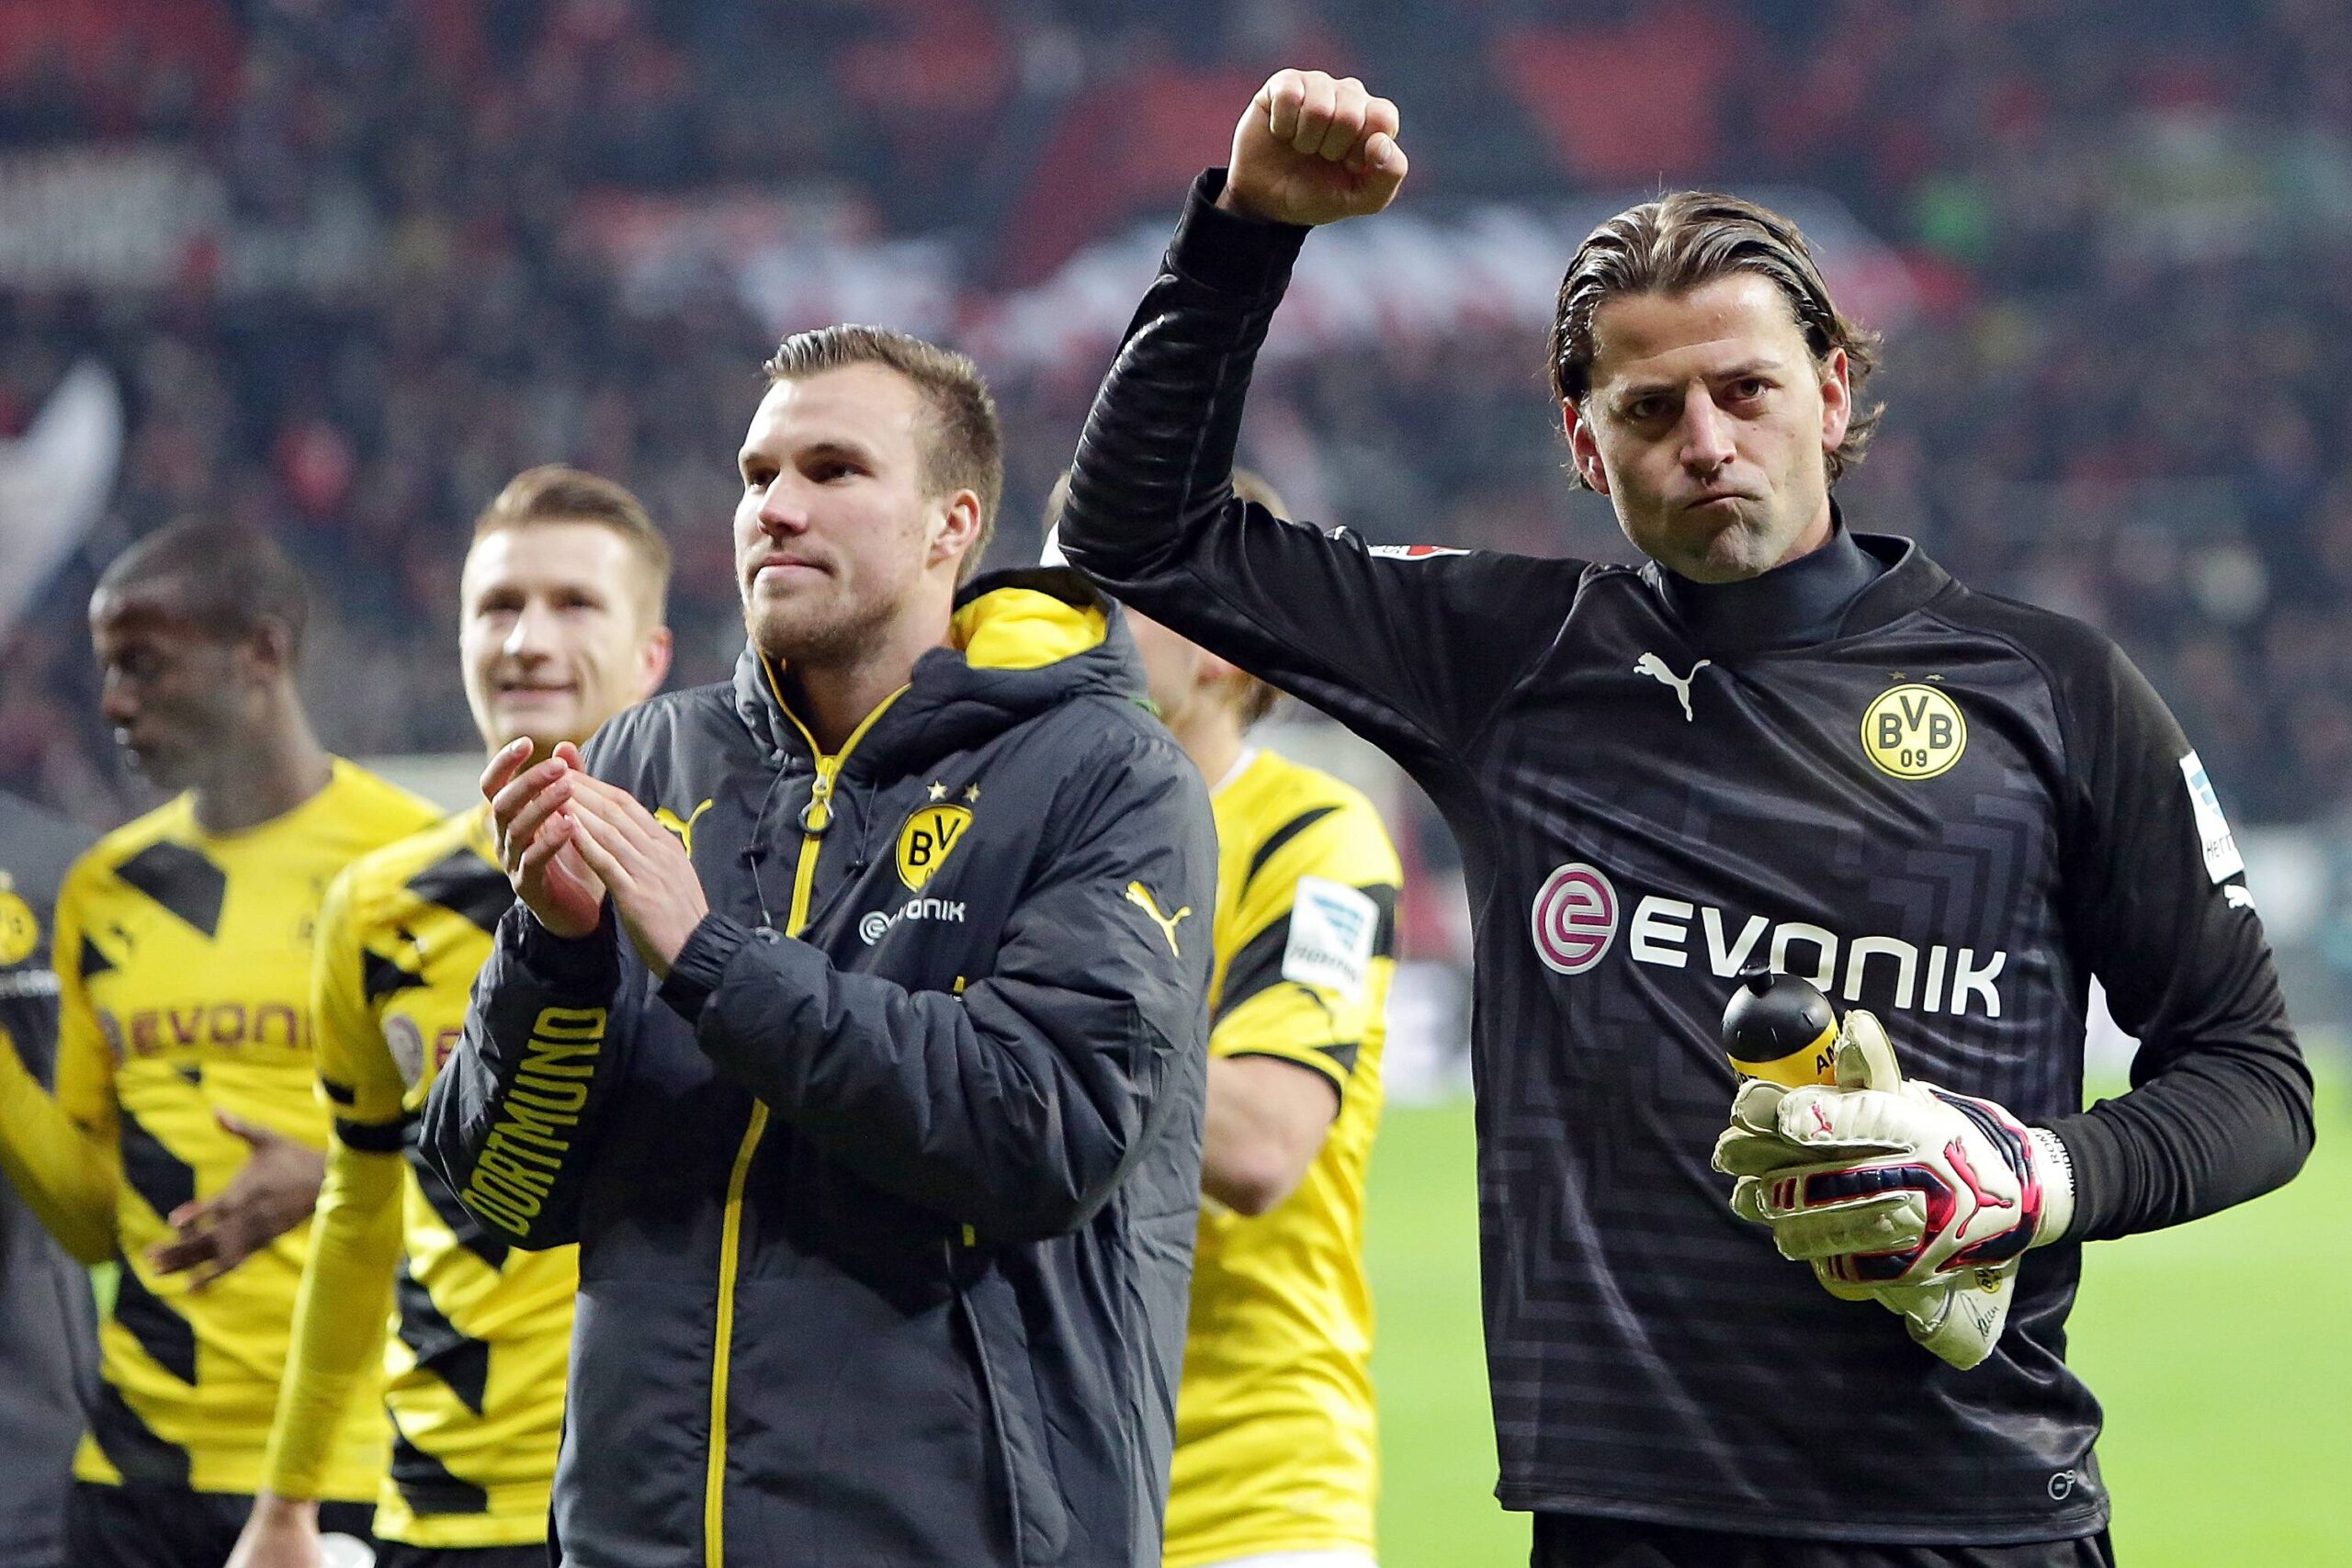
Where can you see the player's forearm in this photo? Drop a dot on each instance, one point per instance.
(1267, 1121)
(339, 1316)
(1157, 456)
(65, 1178)
(2215, 1126)
(510, 1122)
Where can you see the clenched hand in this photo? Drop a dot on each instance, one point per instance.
(1314, 149)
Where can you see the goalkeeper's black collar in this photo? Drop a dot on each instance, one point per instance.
(1851, 584)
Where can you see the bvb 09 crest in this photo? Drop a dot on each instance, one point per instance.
(1914, 731)
(20, 928)
(927, 840)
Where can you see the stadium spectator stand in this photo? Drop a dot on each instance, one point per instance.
(354, 264)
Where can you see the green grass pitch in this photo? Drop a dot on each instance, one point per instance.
(2222, 1352)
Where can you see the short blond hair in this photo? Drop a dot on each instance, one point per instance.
(966, 446)
(555, 493)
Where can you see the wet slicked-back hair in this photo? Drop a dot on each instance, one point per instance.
(966, 446)
(555, 493)
(1685, 240)
(232, 579)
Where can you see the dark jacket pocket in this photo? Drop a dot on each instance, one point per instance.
(1009, 1377)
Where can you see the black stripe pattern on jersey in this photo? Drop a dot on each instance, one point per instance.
(379, 978)
(470, 1231)
(131, 1445)
(426, 1485)
(164, 1335)
(163, 1180)
(1342, 1057)
(181, 880)
(464, 884)
(461, 1362)
(373, 1137)
(1258, 965)
(1384, 899)
(1281, 836)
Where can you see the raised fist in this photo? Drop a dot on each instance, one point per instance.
(1314, 149)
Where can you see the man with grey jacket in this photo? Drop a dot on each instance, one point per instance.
(880, 1132)
(49, 1351)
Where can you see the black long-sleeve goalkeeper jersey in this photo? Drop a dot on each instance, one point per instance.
(1952, 810)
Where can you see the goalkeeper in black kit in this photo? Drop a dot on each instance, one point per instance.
(1780, 741)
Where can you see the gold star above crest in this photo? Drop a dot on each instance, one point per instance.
(938, 790)
(973, 795)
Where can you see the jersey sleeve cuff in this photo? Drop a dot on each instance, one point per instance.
(591, 962)
(2055, 1169)
(372, 1137)
(701, 964)
(1228, 252)
(1321, 1062)
(2088, 1149)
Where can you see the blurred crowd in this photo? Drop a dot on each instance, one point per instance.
(2127, 236)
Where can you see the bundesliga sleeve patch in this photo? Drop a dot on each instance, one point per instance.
(1331, 930)
(2221, 846)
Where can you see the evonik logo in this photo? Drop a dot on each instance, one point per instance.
(879, 923)
(1576, 918)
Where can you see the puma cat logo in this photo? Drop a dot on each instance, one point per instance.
(1140, 897)
(686, 828)
(1650, 664)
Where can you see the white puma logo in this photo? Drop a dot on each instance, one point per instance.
(1652, 665)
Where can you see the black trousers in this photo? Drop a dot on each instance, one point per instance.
(136, 1526)
(1573, 1540)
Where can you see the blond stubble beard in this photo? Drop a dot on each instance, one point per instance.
(840, 641)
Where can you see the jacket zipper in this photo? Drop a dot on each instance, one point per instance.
(815, 818)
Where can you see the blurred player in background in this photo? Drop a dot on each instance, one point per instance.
(48, 1338)
(561, 627)
(1779, 742)
(185, 1074)
(1277, 1444)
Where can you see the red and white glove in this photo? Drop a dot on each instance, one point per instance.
(1899, 1191)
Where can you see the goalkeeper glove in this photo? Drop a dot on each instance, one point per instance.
(1898, 1191)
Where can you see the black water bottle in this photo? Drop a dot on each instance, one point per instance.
(1782, 1028)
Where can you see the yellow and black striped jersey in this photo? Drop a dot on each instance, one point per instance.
(480, 1333)
(184, 965)
(1276, 1449)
